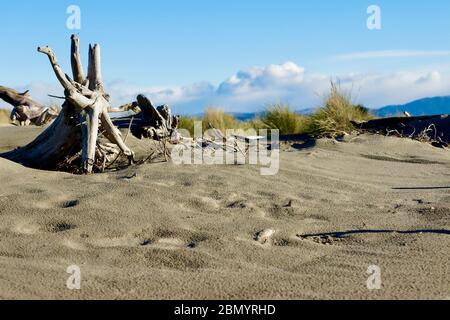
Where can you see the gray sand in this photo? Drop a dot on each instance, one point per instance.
(160, 231)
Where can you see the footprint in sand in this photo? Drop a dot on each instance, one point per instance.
(321, 239)
(59, 226)
(314, 220)
(116, 242)
(74, 245)
(264, 236)
(26, 228)
(239, 204)
(34, 190)
(166, 184)
(170, 243)
(280, 212)
(31, 228)
(13, 255)
(70, 204)
(163, 243)
(202, 204)
(285, 242)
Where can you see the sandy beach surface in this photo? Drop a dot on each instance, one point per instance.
(162, 231)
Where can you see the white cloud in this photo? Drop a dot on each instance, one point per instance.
(273, 76)
(391, 54)
(377, 90)
(252, 89)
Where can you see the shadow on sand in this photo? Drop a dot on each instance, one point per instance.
(299, 141)
(421, 188)
(343, 234)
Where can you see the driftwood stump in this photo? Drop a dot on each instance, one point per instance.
(150, 122)
(76, 130)
(25, 109)
(434, 129)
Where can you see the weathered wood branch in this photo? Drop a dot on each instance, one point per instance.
(77, 67)
(133, 106)
(94, 70)
(25, 109)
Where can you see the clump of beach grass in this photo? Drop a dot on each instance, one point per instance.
(334, 119)
(281, 117)
(217, 118)
(336, 116)
(188, 123)
(212, 118)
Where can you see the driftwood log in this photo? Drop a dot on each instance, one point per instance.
(150, 122)
(78, 138)
(26, 110)
(435, 129)
(76, 130)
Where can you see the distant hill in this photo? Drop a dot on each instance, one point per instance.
(426, 106)
(245, 116)
(241, 116)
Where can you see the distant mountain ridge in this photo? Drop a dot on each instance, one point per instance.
(421, 107)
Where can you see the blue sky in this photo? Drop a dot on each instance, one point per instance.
(186, 52)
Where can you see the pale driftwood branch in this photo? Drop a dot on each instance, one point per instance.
(93, 124)
(60, 75)
(90, 69)
(113, 135)
(84, 137)
(98, 69)
(133, 106)
(71, 89)
(94, 69)
(77, 68)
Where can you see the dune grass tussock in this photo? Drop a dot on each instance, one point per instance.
(212, 117)
(278, 116)
(281, 117)
(219, 119)
(188, 124)
(335, 117)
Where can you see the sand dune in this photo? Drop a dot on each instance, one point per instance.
(161, 231)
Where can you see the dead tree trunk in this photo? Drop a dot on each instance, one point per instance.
(25, 109)
(75, 132)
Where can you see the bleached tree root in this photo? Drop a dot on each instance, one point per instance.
(76, 129)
